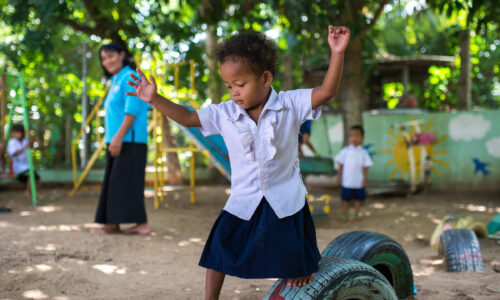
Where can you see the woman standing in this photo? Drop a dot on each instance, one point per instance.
(122, 194)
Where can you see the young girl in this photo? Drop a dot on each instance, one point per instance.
(18, 150)
(265, 229)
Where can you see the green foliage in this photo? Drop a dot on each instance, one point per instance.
(43, 40)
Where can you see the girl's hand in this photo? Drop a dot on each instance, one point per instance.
(143, 89)
(338, 38)
(115, 146)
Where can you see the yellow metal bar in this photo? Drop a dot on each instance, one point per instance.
(180, 149)
(89, 165)
(94, 111)
(192, 176)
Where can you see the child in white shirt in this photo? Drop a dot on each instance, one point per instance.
(265, 229)
(17, 148)
(353, 163)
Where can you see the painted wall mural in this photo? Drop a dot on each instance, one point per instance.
(464, 153)
(410, 157)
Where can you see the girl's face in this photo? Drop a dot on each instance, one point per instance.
(248, 90)
(17, 135)
(112, 61)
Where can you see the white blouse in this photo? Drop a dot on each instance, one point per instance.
(264, 156)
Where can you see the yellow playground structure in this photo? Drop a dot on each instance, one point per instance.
(155, 127)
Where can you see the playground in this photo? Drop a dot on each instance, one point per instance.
(163, 150)
(50, 254)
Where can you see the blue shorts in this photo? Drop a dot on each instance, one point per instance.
(346, 194)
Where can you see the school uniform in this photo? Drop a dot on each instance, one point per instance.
(265, 229)
(20, 162)
(353, 159)
(122, 194)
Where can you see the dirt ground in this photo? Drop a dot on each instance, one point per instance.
(48, 253)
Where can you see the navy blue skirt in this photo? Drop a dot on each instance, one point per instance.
(264, 246)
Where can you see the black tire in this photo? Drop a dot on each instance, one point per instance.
(379, 251)
(461, 250)
(337, 279)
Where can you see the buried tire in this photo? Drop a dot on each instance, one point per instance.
(461, 250)
(379, 251)
(337, 279)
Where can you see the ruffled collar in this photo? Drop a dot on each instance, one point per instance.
(267, 122)
(272, 103)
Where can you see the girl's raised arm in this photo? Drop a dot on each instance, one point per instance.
(338, 38)
(147, 91)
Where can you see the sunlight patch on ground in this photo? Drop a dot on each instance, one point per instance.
(61, 298)
(43, 268)
(411, 238)
(49, 247)
(35, 294)
(183, 243)
(173, 230)
(480, 208)
(400, 220)
(91, 225)
(26, 213)
(110, 269)
(425, 271)
(411, 214)
(432, 262)
(168, 237)
(4, 224)
(61, 227)
(378, 205)
(48, 208)
(228, 191)
(196, 240)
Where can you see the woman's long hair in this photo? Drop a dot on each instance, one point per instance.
(115, 47)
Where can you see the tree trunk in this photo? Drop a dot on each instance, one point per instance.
(173, 165)
(352, 86)
(215, 88)
(464, 83)
(287, 82)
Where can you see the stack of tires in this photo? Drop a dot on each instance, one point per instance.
(356, 265)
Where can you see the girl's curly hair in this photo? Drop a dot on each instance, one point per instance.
(253, 46)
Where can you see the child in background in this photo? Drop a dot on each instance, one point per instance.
(18, 150)
(353, 163)
(304, 135)
(265, 229)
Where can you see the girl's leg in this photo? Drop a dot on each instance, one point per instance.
(213, 284)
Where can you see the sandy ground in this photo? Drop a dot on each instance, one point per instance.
(48, 253)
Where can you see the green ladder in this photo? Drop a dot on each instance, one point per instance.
(13, 84)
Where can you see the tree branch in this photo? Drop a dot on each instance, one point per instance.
(80, 27)
(375, 17)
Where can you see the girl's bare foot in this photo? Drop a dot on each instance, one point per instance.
(301, 281)
(106, 229)
(138, 229)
